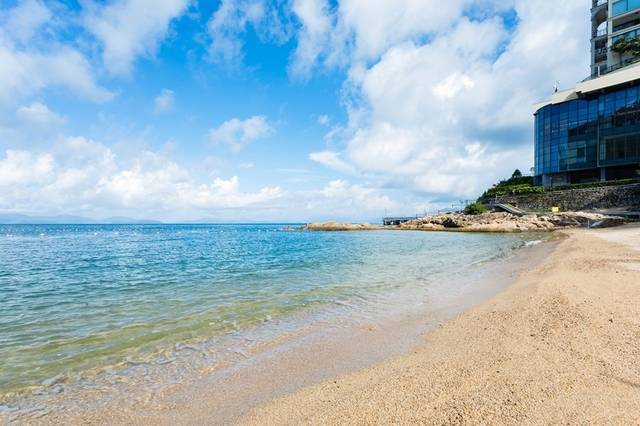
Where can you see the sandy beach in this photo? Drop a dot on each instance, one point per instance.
(561, 345)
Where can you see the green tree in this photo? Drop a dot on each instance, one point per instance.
(475, 209)
(516, 174)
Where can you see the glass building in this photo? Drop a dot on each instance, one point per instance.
(590, 139)
(592, 133)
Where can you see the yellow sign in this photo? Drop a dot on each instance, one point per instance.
(555, 209)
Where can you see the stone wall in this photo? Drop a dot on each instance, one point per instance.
(578, 199)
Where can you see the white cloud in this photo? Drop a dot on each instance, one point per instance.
(165, 101)
(233, 18)
(33, 57)
(81, 176)
(127, 29)
(238, 133)
(25, 72)
(440, 103)
(340, 199)
(332, 160)
(24, 168)
(451, 86)
(23, 21)
(38, 115)
(313, 36)
(324, 120)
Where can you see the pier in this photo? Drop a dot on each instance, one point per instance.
(395, 221)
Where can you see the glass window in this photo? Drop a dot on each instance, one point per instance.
(632, 96)
(621, 100)
(609, 103)
(623, 6)
(619, 7)
(593, 109)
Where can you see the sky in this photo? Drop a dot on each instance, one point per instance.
(273, 110)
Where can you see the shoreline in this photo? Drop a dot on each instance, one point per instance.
(294, 361)
(560, 345)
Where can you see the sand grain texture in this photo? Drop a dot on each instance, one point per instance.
(562, 345)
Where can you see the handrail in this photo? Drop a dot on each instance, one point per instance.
(613, 68)
(600, 33)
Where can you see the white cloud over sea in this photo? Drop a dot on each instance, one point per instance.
(435, 99)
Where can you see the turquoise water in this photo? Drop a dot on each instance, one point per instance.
(76, 299)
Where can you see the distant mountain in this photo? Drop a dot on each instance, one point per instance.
(21, 219)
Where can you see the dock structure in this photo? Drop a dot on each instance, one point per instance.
(509, 209)
(395, 221)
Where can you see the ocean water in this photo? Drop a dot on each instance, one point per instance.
(77, 300)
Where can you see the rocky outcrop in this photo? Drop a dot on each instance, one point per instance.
(505, 222)
(335, 226)
(488, 222)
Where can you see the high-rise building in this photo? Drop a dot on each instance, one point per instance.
(592, 132)
(612, 21)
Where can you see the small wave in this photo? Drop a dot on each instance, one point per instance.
(533, 243)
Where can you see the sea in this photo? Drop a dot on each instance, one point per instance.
(80, 304)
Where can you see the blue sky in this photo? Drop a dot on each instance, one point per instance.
(281, 110)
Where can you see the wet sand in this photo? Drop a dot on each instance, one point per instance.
(561, 345)
(321, 351)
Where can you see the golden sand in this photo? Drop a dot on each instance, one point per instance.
(562, 345)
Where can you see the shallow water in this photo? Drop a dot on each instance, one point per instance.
(76, 301)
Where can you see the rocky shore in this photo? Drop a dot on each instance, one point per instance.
(488, 222)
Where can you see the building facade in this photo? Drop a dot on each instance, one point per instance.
(592, 133)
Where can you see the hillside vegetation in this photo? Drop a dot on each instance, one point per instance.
(522, 185)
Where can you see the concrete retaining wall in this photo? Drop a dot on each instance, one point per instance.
(578, 199)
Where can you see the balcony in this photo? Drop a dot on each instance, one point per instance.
(604, 71)
(600, 33)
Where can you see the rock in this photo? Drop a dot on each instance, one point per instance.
(488, 222)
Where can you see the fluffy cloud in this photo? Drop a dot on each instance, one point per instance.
(23, 21)
(82, 176)
(313, 36)
(32, 59)
(165, 101)
(38, 115)
(233, 18)
(25, 72)
(437, 94)
(439, 102)
(237, 133)
(333, 160)
(127, 29)
(340, 199)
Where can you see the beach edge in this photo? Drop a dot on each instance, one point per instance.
(553, 346)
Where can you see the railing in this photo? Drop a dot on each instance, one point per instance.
(626, 25)
(601, 51)
(600, 33)
(612, 68)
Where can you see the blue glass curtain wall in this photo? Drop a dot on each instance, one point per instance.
(624, 6)
(588, 133)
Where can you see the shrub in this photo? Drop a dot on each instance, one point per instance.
(475, 209)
